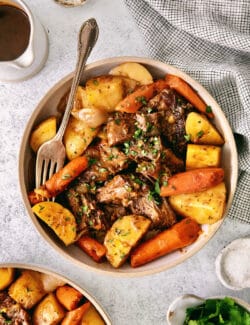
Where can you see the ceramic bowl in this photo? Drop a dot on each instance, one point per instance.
(232, 264)
(62, 280)
(47, 107)
(176, 312)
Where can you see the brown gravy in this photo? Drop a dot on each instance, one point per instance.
(14, 32)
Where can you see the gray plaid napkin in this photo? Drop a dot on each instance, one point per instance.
(210, 40)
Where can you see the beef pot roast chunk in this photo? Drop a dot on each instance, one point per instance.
(175, 111)
(89, 215)
(113, 159)
(149, 124)
(11, 312)
(144, 149)
(119, 190)
(120, 128)
(171, 161)
(113, 211)
(162, 215)
(103, 161)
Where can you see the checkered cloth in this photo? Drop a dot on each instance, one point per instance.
(210, 40)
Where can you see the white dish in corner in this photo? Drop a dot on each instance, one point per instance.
(232, 265)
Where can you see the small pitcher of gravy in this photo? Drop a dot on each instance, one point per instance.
(23, 42)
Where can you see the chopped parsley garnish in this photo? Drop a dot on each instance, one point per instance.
(208, 109)
(217, 311)
(126, 147)
(187, 137)
(92, 161)
(138, 133)
(95, 82)
(141, 99)
(117, 121)
(200, 134)
(157, 187)
(66, 176)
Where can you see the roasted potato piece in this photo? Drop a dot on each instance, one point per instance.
(81, 99)
(48, 311)
(74, 317)
(123, 236)
(105, 92)
(134, 71)
(92, 317)
(201, 131)
(69, 297)
(27, 290)
(58, 218)
(6, 277)
(199, 156)
(204, 207)
(78, 135)
(45, 131)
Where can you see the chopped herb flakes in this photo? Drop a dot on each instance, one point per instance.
(66, 176)
(208, 109)
(141, 99)
(187, 137)
(200, 134)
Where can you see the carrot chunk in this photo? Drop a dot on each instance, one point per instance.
(192, 181)
(92, 247)
(181, 234)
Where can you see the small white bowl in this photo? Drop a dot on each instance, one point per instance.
(176, 312)
(63, 279)
(232, 265)
(48, 106)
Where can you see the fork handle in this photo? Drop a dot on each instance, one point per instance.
(87, 38)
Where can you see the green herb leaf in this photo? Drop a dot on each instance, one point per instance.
(200, 134)
(208, 109)
(187, 137)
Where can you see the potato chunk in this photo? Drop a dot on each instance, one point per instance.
(58, 218)
(91, 316)
(27, 290)
(123, 236)
(77, 137)
(48, 311)
(199, 156)
(201, 131)
(204, 207)
(6, 277)
(45, 131)
(134, 71)
(105, 92)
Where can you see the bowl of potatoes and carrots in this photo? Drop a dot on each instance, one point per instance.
(32, 295)
(150, 173)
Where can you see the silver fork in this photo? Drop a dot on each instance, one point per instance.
(51, 155)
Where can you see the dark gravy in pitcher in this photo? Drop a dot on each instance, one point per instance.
(14, 32)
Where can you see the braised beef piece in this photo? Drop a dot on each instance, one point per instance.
(103, 161)
(149, 169)
(175, 111)
(87, 212)
(144, 148)
(119, 190)
(161, 214)
(120, 128)
(148, 124)
(170, 160)
(113, 211)
(96, 171)
(113, 159)
(11, 312)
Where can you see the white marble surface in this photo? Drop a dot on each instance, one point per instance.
(128, 301)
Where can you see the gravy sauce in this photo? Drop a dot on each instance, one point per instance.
(14, 32)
